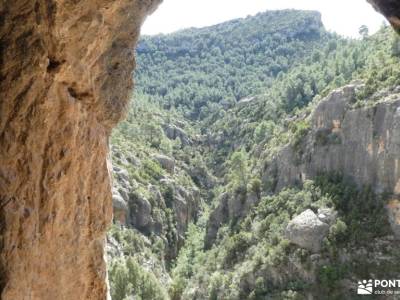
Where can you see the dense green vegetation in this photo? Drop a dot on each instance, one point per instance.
(238, 92)
(127, 274)
(203, 70)
(295, 93)
(251, 260)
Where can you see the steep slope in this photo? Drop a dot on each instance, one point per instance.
(343, 168)
(159, 189)
(162, 182)
(65, 69)
(227, 100)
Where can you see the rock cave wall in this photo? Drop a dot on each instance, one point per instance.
(390, 9)
(65, 69)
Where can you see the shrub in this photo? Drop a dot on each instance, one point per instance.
(299, 130)
(255, 186)
(329, 275)
(236, 247)
(128, 278)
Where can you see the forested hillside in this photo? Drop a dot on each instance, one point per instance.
(198, 70)
(202, 206)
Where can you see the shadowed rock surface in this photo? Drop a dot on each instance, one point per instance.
(390, 9)
(65, 69)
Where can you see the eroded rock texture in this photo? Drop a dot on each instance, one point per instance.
(362, 143)
(390, 9)
(65, 79)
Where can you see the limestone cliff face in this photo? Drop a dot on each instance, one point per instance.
(65, 69)
(362, 143)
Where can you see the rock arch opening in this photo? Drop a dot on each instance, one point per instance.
(65, 71)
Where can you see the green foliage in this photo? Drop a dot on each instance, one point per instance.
(324, 137)
(200, 70)
(238, 167)
(129, 240)
(395, 45)
(152, 169)
(329, 275)
(128, 278)
(363, 31)
(256, 244)
(363, 211)
(189, 256)
(256, 186)
(338, 232)
(264, 131)
(236, 247)
(299, 131)
(241, 91)
(154, 134)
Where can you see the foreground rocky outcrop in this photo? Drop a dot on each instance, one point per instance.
(65, 69)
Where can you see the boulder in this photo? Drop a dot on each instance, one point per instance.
(173, 132)
(120, 207)
(166, 162)
(307, 231)
(123, 192)
(141, 214)
(134, 161)
(123, 174)
(169, 131)
(119, 202)
(327, 215)
(122, 178)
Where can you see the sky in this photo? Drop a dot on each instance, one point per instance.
(342, 16)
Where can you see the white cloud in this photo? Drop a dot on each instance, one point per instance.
(341, 16)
